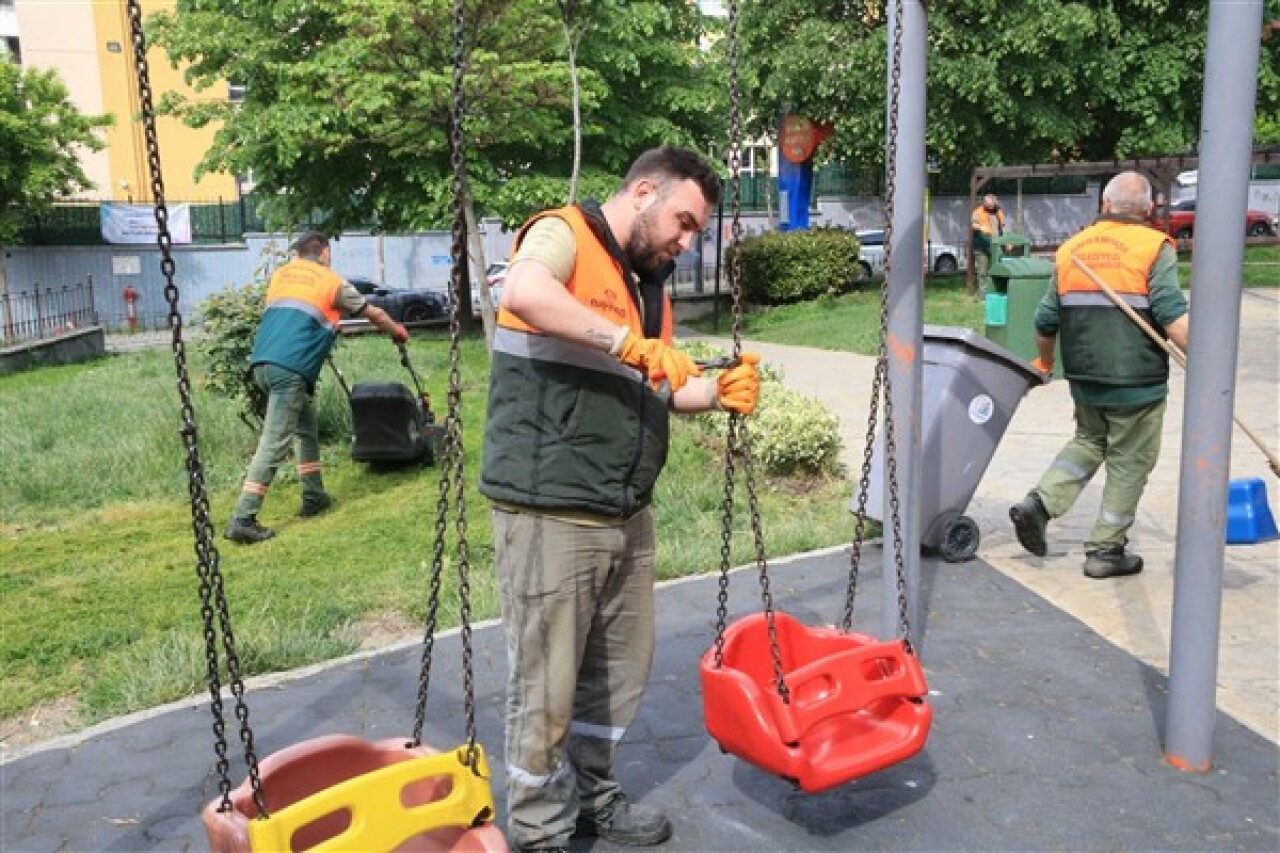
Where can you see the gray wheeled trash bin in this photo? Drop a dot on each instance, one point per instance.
(971, 388)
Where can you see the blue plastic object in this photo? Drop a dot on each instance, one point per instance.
(1249, 518)
(997, 309)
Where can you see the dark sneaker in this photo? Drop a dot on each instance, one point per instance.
(315, 506)
(1113, 562)
(247, 531)
(1029, 521)
(623, 822)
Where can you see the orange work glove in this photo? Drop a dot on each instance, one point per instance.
(400, 335)
(1039, 365)
(657, 360)
(738, 388)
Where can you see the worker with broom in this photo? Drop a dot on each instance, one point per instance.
(1118, 376)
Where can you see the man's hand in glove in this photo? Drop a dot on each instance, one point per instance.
(738, 388)
(656, 360)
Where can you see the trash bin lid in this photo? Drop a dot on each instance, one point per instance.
(1022, 268)
(959, 335)
(1011, 246)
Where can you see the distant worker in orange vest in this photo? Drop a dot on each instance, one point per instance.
(1118, 376)
(986, 224)
(305, 303)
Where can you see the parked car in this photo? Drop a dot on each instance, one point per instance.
(1182, 221)
(495, 274)
(943, 257)
(405, 305)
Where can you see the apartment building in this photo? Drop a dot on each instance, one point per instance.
(88, 43)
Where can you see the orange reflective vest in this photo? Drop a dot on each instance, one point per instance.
(570, 427)
(596, 282)
(1099, 343)
(981, 222)
(300, 320)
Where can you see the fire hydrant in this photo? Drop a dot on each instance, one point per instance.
(131, 307)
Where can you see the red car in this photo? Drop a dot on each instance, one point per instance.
(1182, 221)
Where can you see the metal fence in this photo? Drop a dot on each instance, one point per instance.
(79, 223)
(40, 314)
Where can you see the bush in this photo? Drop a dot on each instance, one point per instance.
(795, 266)
(230, 320)
(790, 433)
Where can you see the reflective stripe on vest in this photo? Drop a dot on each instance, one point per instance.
(596, 281)
(309, 287)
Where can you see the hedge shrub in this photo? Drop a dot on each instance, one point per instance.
(791, 433)
(779, 267)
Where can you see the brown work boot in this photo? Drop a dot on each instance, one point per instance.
(1030, 519)
(623, 822)
(1113, 562)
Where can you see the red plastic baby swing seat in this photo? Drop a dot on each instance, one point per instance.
(314, 767)
(857, 704)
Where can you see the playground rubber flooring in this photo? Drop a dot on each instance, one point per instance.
(1046, 736)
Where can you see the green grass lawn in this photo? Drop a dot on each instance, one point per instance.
(1261, 267)
(101, 608)
(851, 322)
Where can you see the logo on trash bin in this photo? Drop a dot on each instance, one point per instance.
(981, 408)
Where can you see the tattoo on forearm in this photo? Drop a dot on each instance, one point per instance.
(604, 340)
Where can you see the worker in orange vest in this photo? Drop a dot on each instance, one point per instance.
(986, 223)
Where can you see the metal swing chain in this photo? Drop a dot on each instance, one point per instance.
(452, 474)
(212, 591)
(738, 438)
(881, 383)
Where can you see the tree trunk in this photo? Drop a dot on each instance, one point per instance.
(571, 48)
(477, 266)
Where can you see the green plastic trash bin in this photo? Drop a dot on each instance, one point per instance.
(1020, 284)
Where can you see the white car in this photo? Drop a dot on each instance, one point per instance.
(943, 257)
(495, 275)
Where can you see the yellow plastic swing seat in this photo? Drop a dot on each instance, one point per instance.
(339, 792)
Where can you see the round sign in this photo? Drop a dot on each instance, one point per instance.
(798, 139)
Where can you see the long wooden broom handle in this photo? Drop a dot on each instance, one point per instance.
(1171, 348)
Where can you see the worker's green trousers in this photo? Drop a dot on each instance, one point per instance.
(1127, 441)
(290, 420)
(577, 609)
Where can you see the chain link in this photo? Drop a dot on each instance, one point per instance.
(738, 438)
(452, 473)
(881, 384)
(213, 600)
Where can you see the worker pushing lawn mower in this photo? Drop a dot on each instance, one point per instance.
(305, 303)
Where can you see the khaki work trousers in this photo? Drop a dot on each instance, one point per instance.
(578, 612)
(1127, 441)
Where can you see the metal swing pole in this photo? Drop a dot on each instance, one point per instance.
(1226, 135)
(906, 301)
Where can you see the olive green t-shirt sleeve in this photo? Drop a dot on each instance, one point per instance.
(549, 241)
(1167, 300)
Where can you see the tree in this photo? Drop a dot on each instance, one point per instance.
(40, 131)
(347, 104)
(1018, 82)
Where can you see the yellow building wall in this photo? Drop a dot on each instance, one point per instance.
(100, 72)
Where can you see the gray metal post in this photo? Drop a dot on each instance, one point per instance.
(906, 308)
(1226, 133)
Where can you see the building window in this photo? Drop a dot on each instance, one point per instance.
(9, 48)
